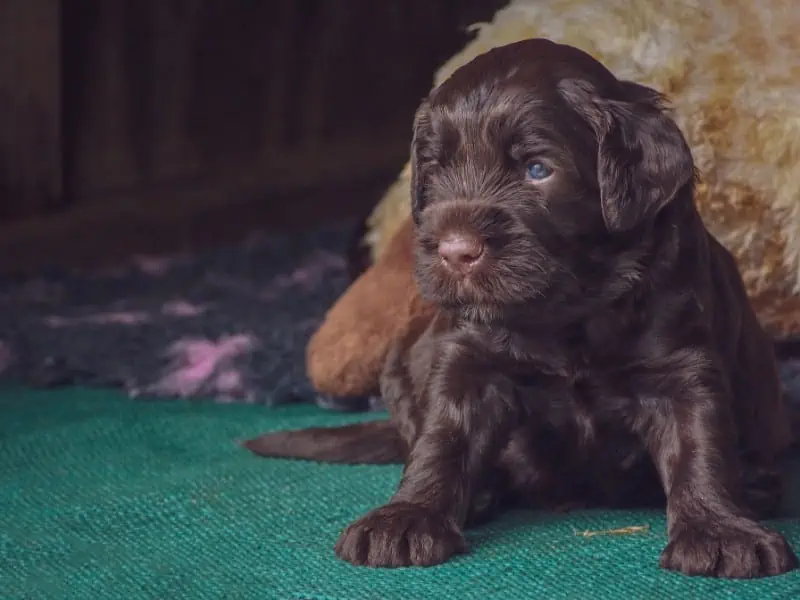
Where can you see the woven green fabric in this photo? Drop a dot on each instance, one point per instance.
(105, 498)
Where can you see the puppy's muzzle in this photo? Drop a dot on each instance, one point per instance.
(461, 251)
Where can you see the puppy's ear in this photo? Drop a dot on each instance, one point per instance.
(420, 143)
(643, 158)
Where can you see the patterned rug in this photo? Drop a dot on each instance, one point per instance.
(229, 324)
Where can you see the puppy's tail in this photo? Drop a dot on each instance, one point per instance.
(371, 442)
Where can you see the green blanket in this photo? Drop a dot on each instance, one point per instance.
(105, 498)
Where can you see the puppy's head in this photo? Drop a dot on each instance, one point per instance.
(528, 166)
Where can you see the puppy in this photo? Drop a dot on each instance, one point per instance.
(593, 342)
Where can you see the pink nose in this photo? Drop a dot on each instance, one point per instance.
(460, 251)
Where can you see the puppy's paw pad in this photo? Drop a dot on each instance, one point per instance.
(739, 550)
(400, 535)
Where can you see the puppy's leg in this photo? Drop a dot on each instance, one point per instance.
(460, 437)
(692, 440)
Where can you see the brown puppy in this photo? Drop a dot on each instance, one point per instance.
(593, 342)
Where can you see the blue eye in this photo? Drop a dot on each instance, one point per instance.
(539, 171)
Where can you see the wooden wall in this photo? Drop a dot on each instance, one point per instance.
(113, 110)
(30, 108)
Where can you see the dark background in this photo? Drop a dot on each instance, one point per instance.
(160, 125)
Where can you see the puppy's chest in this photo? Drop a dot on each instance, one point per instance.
(575, 399)
(567, 383)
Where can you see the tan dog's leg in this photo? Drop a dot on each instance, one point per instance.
(346, 354)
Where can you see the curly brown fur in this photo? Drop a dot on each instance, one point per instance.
(593, 342)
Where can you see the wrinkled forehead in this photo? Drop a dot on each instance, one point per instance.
(501, 110)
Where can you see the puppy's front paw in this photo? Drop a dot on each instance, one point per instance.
(400, 535)
(739, 549)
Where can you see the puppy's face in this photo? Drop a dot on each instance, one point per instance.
(526, 163)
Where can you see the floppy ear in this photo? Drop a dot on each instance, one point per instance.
(419, 148)
(643, 159)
